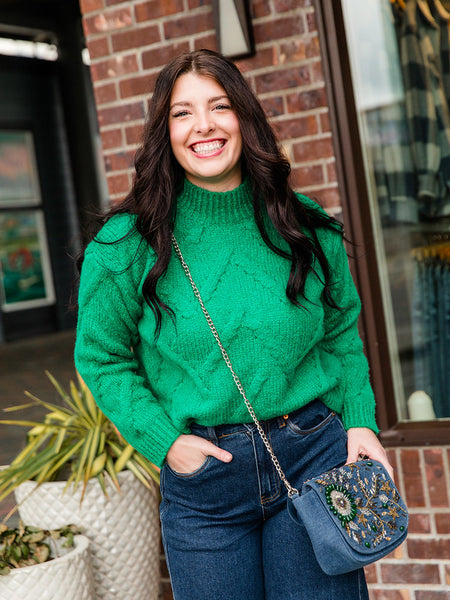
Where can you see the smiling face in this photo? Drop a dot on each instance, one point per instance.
(204, 133)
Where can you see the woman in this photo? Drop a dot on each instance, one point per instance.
(273, 274)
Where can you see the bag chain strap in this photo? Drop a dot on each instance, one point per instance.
(290, 489)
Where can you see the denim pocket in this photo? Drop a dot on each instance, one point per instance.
(310, 418)
(191, 474)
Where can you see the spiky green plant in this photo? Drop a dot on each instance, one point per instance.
(24, 546)
(75, 439)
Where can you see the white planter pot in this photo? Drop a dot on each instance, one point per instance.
(68, 577)
(123, 529)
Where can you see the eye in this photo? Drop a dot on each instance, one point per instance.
(180, 113)
(222, 107)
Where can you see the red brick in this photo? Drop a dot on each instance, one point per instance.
(98, 47)
(276, 29)
(313, 150)
(111, 138)
(392, 457)
(390, 594)
(208, 41)
(259, 8)
(447, 574)
(119, 161)
(114, 66)
(438, 548)
(108, 21)
(331, 172)
(412, 478)
(442, 522)
(307, 176)
(410, 573)
(121, 114)
(293, 128)
(306, 100)
(133, 134)
(371, 574)
(283, 5)
(105, 93)
(436, 479)
(300, 49)
(282, 79)
(135, 38)
(325, 122)
(154, 9)
(87, 6)
(311, 20)
(185, 26)
(419, 523)
(161, 55)
(137, 86)
(328, 197)
(118, 184)
(273, 107)
(316, 71)
(266, 57)
(435, 595)
(113, 2)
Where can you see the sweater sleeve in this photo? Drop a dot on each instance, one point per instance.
(110, 307)
(342, 339)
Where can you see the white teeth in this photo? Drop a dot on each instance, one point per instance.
(207, 147)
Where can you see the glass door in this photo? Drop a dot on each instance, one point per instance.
(400, 62)
(25, 271)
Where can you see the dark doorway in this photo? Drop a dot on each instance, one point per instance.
(48, 150)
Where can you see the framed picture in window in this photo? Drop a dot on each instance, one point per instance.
(19, 185)
(25, 278)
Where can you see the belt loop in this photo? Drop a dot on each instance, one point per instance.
(212, 435)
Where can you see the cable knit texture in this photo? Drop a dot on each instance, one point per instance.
(153, 388)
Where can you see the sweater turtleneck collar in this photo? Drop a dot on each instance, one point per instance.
(219, 207)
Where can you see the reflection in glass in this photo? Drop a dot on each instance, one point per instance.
(400, 62)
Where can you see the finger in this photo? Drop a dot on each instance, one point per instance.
(219, 453)
(352, 457)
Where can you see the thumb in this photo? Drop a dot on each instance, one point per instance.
(219, 453)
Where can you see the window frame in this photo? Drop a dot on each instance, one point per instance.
(353, 191)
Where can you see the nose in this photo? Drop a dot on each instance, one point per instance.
(204, 122)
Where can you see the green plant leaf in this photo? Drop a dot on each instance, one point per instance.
(124, 456)
(76, 437)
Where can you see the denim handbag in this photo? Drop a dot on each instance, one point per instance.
(353, 514)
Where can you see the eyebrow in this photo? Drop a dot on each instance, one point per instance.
(210, 101)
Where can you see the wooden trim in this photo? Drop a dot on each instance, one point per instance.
(355, 204)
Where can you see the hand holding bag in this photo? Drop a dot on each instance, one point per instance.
(353, 514)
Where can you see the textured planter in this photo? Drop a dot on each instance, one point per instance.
(123, 529)
(68, 577)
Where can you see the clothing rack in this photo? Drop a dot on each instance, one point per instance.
(431, 323)
(439, 250)
(425, 6)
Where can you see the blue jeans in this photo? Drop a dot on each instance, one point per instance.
(226, 531)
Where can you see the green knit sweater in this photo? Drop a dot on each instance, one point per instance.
(152, 388)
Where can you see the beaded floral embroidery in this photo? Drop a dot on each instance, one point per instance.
(364, 501)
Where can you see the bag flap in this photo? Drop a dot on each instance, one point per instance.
(364, 504)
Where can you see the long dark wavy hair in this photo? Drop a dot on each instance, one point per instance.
(159, 177)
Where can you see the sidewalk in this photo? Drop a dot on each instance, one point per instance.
(22, 367)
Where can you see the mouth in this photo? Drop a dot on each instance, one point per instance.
(208, 148)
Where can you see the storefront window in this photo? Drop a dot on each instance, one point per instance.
(400, 61)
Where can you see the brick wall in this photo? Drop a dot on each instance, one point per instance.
(129, 42)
